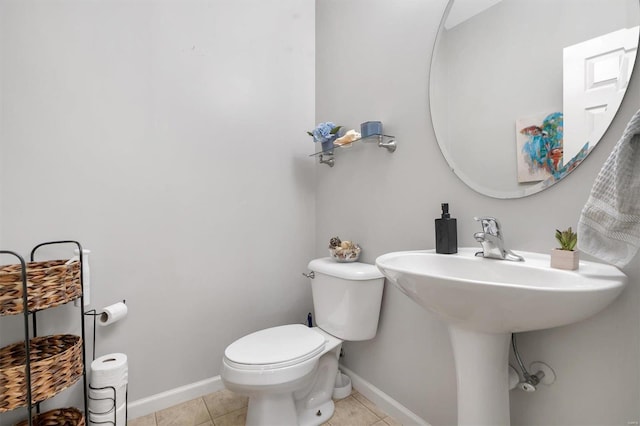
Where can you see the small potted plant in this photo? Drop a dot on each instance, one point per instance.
(565, 257)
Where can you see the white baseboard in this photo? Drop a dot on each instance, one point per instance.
(383, 401)
(162, 400)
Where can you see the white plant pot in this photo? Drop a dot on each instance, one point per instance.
(565, 259)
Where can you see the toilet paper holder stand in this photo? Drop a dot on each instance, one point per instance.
(94, 313)
(113, 404)
(34, 332)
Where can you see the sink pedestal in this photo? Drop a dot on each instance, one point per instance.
(482, 376)
(485, 300)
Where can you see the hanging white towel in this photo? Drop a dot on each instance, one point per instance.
(609, 226)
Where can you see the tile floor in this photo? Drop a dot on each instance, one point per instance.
(225, 408)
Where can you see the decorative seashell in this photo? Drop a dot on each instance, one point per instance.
(346, 254)
(348, 137)
(334, 242)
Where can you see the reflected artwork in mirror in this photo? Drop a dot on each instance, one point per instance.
(521, 91)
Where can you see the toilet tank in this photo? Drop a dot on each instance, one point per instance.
(346, 298)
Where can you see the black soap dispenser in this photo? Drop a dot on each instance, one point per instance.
(446, 232)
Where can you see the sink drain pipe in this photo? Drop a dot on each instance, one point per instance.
(531, 381)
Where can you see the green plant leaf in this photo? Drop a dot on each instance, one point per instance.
(567, 239)
(573, 241)
(310, 134)
(335, 130)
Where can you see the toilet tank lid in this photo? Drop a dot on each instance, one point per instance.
(349, 271)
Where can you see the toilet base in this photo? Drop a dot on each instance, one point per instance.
(311, 405)
(280, 410)
(316, 416)
(271, 409)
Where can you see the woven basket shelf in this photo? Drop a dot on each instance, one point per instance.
(56, 364)
(59, 417)
(49, 284)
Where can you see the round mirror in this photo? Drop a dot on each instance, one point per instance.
(521, 91)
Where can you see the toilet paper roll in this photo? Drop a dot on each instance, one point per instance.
(109, 370)
(104, 400)
(112, 313)
(107, 419)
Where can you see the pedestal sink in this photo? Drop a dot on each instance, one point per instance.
(483, 301)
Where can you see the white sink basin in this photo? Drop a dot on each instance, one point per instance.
(501, 296)
(484, 300)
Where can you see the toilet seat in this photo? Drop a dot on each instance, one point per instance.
(275, 348)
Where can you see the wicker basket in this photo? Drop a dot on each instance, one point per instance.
(59, 417)
(49, 284)
(56, 363)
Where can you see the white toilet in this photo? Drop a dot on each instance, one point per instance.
(289, 371)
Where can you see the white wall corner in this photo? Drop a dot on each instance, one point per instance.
(383, 401)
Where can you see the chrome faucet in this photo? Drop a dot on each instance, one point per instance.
(491, 240)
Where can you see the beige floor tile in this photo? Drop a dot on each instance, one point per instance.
(223, 402)
(190, 413)
(370, 405)
(391, 421)
(148, 420)
(235, 418)
(354, 392)
(350, 412)
(229, 409)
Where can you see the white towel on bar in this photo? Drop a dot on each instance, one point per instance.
(609, 226)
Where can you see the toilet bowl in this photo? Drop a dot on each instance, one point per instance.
(289, 372)
(271, 365)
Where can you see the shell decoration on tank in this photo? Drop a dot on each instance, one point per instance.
(344, 251)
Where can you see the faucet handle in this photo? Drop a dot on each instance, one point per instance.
(490, 225)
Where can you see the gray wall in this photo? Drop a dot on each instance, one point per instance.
(169, 138)
(387, 202)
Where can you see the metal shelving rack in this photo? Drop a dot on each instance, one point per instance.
(34, 329)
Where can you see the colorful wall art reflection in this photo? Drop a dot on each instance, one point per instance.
(539, 146)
